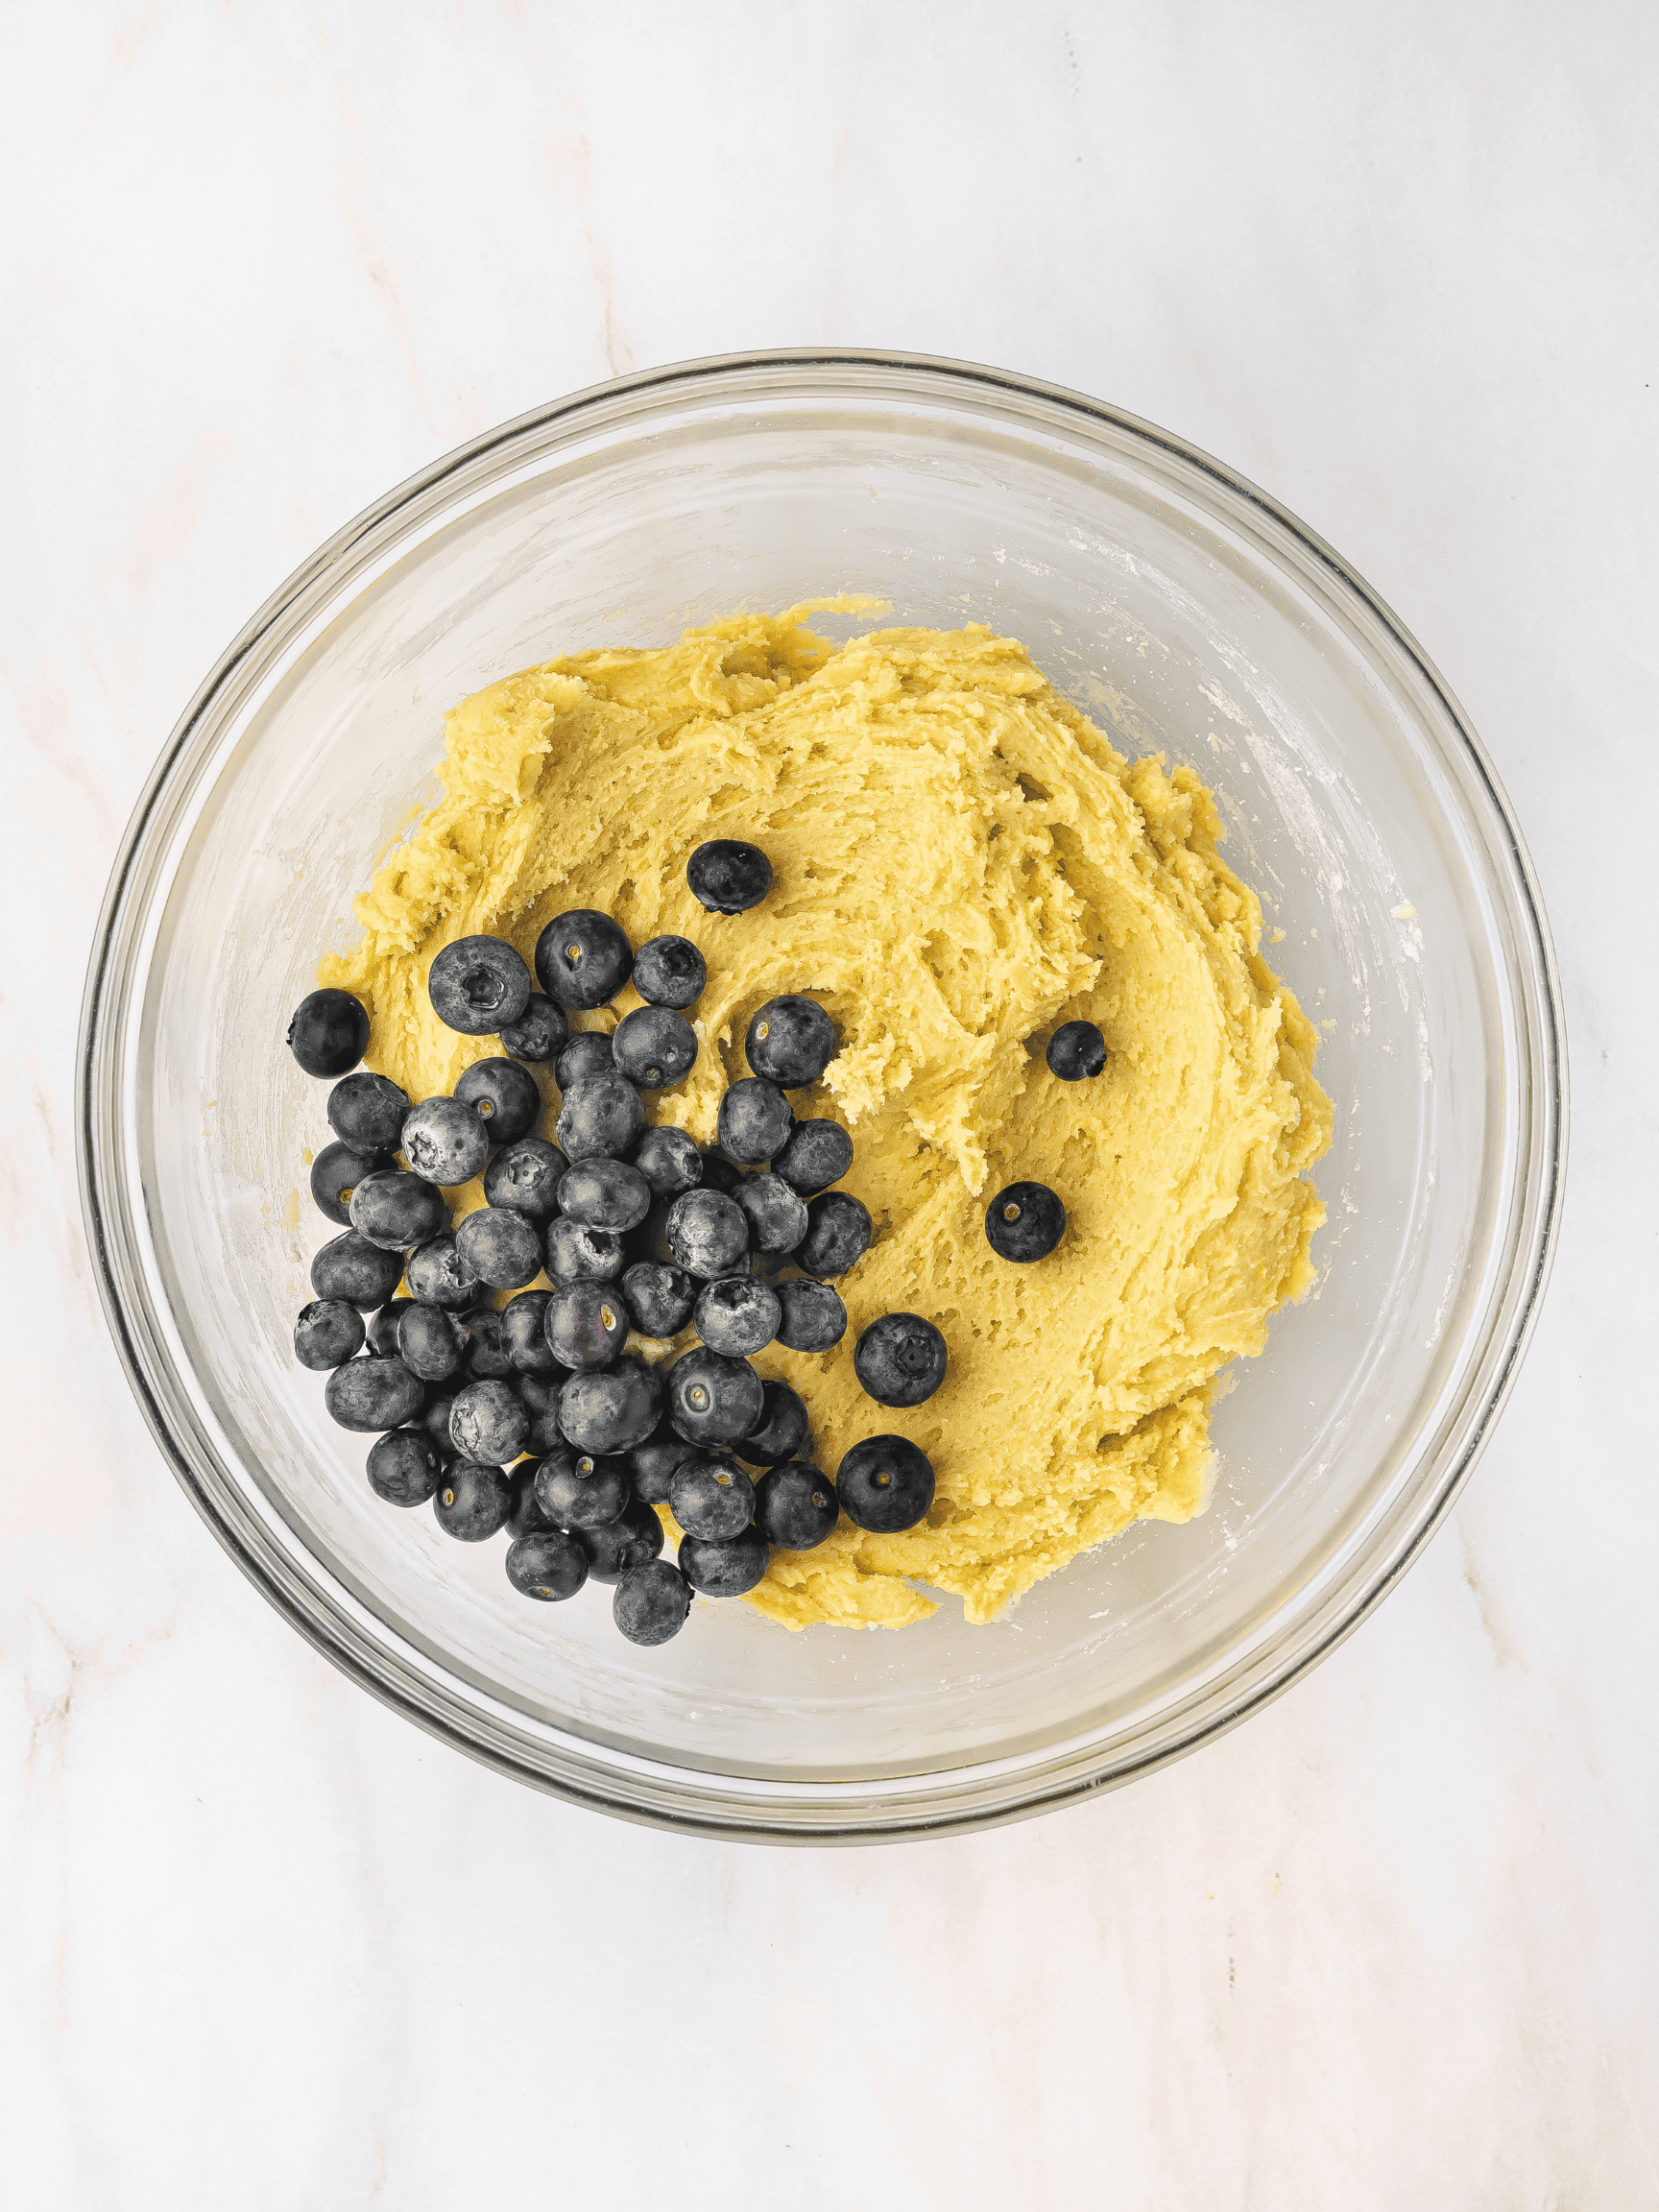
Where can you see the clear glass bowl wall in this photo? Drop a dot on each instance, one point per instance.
(1185, 613)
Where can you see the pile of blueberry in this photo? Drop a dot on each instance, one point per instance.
(535, 1418)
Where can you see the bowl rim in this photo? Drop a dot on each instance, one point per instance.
(659, 1794)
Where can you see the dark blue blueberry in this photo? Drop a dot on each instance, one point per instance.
(604, 1193)
(488, 1357)
(669, 971)
(719, 1173)
(476, 984)
(653, 1462)
(335, 1173)
(780, 1432)
(576, 1490)
(670, 1161)
(352, 1269)
(586, 1325)
(795, 1506)
(728, 877)
(437, 1277)
(818, 1153)
(838, 1230)
(588, 1053)
(712, 1400)
(736, 1315)
(777, 1214)
(431, 1343)
(649, 1241)
(383, 1327)
(1076, 1049)
(885, 1484)
(472, 1500)
(899, 1360)
(541, 1394)
(707, 1232)
(727, 1567)
(397, 1211)
(711, 1496)
(488, 1421)
(601, 1117)
(522, 1324)
(754, 1120)
(582, 958)
(329, 1033)
(813, 1318)
(634, 1539)
(651, 1602)
(499, 1246)
(372, 1394)
(526, 1516)
(435, 1426)
(654, 1047)
(611, 1409)
(579, 1255)
(1024, 1222)
(504, 1098)
(445, 1141)
(404, 1467)
(547, 1564)
(539, 1031)
(526, 1177)
(366, 1112)
(659, 1299)
(328, 1333)
(791, 1040)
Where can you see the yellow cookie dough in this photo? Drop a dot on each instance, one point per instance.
(962, 861)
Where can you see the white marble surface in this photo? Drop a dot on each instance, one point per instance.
(1395, 1943)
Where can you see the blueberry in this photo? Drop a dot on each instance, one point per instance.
(634, 1539)
(659, 1299)
(586, 1326)
(547, 1564)
(795, 1506)
(611, 1409)
(352, 1269)
(777, 1214)
(488, 1423)
(526, 1177)
(1024, 1222)
(818, 1153)
(499, 1246)
(431, 1343)
(445, 1141)
(398, 1211)
(541, 1396)
(754, 1120)
(885, 1484)
(813, 1318)
(476, 984)
(589, 1053)
(523, 1323)
(728, 877)
(328, 1333)
(736, 1315)
(707, 1232)
(504, 1098)
(366, 1112)
(780, 1432)
(437, 1278)
(579, 1255)
(651, 1602)
(654, 1047)
(791, 1040)
(329, 1033)
(838, 1230)
(404, 1467)
(1076, 1049)
(474, 1500)
(488, 1359)
(725, 1567)
(719, 1173)
(383, 1327)
(526, 1516)
(711, 1496)
(372, 1394)
(604, 1195)
(582, 958)
(669, 971)
(601, 1116)
(670, 1161)
(712, 1400)
(435, 1427)
(539, 1031)
(335, 1173)
(653, 1462)
(899, 1360)
(579, 1491)
(650, 1239)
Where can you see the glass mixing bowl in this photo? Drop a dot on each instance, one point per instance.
(1187, 614)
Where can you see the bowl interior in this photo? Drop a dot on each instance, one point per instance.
(1182, 620)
